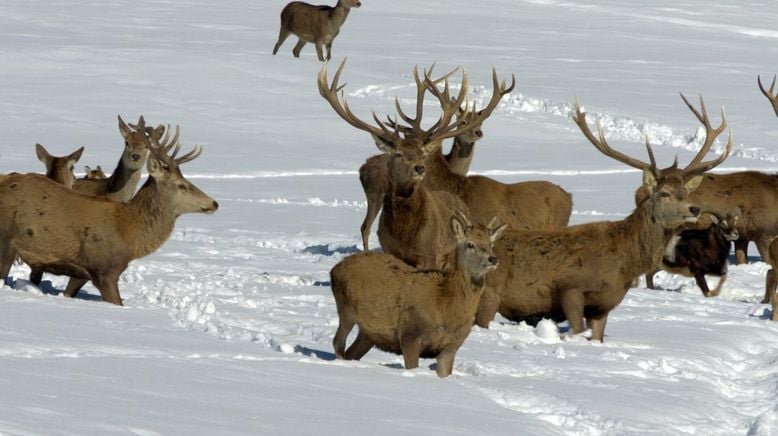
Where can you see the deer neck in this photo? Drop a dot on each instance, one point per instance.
(461, 292)
(440, 177)
(123, 180)
(148, 219)
(338, 15)
(461, 156)
(646, 240)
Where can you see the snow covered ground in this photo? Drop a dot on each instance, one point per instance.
(227, 329)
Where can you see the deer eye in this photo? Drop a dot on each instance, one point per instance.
(182, 187)
(664, 194)
(398, 155)
(470, 246)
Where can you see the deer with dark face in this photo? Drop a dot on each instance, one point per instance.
(310, 23)
(414, 221)
(63, 232)
(695, 252)
(404, 310)
(59, 168)
(581, 273)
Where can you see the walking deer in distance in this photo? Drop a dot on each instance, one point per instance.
(581, 273)
(414, 222)
(311, 23)
(59, 168)
(57, 230)
(754, 192)
(403, 310)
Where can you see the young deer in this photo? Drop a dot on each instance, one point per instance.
(57, 230)
(403, 310)
(125, 178)
(696, 252)
(317, 24)
(59, 168)
(584, 271)
(94, 174)
(414, 221)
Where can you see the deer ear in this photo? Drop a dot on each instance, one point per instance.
(458, 227)
(123, 128)
(382, 144)
(714, 219)
(693, 183)
(496, 233)
(76, 155)
(42, 154)
(155, 167)
(649, 180)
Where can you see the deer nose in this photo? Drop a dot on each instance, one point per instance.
(493, 260)
(479, 133)
(695, 210)
(135, 156)
(215, 205)
(419, 169)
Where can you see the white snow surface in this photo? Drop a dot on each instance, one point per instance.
(227, 329)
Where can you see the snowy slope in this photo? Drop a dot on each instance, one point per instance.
(228, 328)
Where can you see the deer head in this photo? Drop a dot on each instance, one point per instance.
(59, 169)
(348, 4)
(163, 166)
(668, 188)
(727, 225)
(135, 146)
(475, 245)
(390, 135)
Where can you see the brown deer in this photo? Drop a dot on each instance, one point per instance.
(770, 280)
(584, 271)
(96, 173)
(310, 23)
(413, 224)
(121, 185)
(57, 230)
(695, 252)
(403, 310)
(374, 176)
(755, 193)
(520, 205)
(59, 168)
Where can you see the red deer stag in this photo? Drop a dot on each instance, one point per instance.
(413, 224)
(755, 193)
(583, 272)
(310, 23)
(403, 310)
(57, 230)
(59, 168)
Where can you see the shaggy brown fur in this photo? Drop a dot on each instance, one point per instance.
(407, 311)
(310, 23)
(57, 230)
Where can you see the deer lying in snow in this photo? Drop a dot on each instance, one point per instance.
(584, 271)
(317, 24)
(57, 230)
(696, 252)
(407, 311)
(94, 174)
(526, 205)
(59, 168)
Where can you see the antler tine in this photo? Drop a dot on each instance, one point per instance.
(340, 105)
(650, 152)
(701, 167)
(192, 155)
(769, 93)
(602, 145)
(710, 133)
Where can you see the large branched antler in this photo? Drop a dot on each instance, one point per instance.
(697, 165)
(161, 149)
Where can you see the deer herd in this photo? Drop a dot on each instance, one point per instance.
(456, 249)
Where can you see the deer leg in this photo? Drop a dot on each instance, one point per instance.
(445, 363)
(339, 341)
(297, 48)
(329, 51)
(719, 285)
(699, 277)
(109, 288)
(650, 279)
(774, 316)
(597, 325)
(763, 246)
(320, 50)
(74, 285)
(741, 251)
(282, 35)
(769, 289)
(36, 275)
(7, 257)
(374, 204)
(359, 348)
(411, 348)
(487, 308)
(573, 307)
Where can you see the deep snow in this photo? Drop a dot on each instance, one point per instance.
(228, 328)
